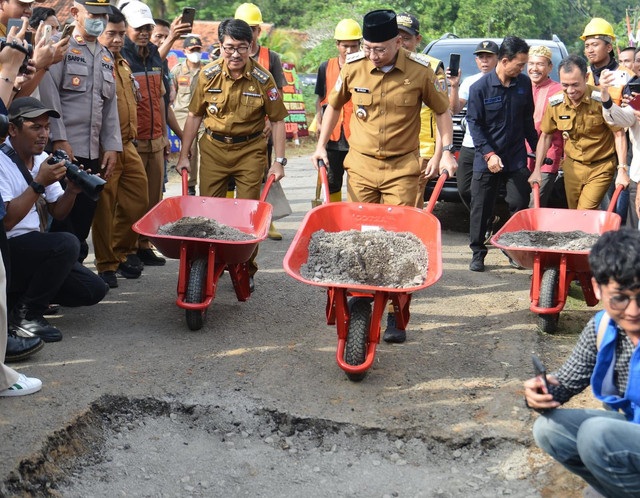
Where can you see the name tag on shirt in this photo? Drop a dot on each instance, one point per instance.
(251, 94)
(493, 100)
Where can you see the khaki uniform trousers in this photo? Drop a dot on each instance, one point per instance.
(242, 161)
(586, 184)
(152, 154)
(8, 376)
(123, 201)
(422, 181)
(382, 181)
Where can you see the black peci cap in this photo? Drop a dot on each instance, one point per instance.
(379, 26)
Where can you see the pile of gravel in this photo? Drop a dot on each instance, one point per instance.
(199, 227)
(576, 240)
(380, 258)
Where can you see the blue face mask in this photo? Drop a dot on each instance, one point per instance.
(94, 27)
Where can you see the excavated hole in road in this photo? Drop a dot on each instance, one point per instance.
(151, 447)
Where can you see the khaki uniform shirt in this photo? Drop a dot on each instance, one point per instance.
(126, 90)
(588, 138)
(391, 102)
(236, 108)
(82, 88)
(184, 79)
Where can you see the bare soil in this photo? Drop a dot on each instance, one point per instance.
(576, 240)
(379, 258)
(199, 227)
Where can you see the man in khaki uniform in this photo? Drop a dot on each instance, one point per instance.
(592, 148)
(387, 85)
(234, 95)
(124, 199)
(184, 77)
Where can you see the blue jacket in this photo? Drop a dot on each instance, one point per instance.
(602, 377)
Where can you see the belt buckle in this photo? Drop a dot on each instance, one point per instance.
(228, 140)
(380, 157)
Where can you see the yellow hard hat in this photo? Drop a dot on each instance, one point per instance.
(348, 29)
(249, 13)
(598, 27)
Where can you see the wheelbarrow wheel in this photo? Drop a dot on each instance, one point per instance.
(195, 293)
(548, 322)
(355, 351)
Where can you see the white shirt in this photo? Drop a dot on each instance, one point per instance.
(463, 94)
(624, 116)
(13, 184)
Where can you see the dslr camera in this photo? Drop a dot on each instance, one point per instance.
(91, 185)
(27, 51)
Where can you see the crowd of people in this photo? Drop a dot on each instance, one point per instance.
(100, 95)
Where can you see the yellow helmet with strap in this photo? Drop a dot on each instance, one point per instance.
(249, 13)
(348, 29)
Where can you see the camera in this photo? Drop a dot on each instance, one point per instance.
(28, 51)
(91, 185)
(4, 125)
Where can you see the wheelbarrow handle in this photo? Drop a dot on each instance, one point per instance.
(267, 186)
(185, 181)
(322, 171)
(436, 191)
(614, 199)
(536, 195)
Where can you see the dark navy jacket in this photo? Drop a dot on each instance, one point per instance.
(500, 119)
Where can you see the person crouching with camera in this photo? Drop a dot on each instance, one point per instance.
(44, 266)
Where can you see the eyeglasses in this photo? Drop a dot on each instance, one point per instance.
(375, 50)
(230, 50)
(619, 302)
(146, 27)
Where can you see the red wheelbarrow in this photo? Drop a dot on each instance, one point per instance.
(358, 325)
(553, 270)
(202, 261)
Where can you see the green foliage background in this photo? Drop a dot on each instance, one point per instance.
(465, 18)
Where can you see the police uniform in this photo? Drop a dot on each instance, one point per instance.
(590, 154)
(124, 199)
(382, 162)
(184, 79)
(82, 89)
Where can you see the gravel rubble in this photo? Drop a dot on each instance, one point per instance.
(199, 227)
(576, 240)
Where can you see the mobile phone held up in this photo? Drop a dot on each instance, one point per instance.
(188, 16)
(540, 370)
(454, 64)
(66, 31)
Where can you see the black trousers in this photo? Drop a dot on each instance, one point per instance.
(78, 221)
(484, 192)
(45, 269)
(464, 174)
(336, 169)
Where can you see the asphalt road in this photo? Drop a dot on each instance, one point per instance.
(453, 385)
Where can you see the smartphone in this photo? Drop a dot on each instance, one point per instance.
(621, 78)
(188, 15)
(540, 370)
(47, 33)
(29, 37)
(634, 87)
(454, 64)
(66, 31)
(14, 22)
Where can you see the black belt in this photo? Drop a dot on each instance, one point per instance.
(233, 140)
(591, 163)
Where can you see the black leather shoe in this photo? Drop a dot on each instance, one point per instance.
(252, 285)
(52, 309)
(150, 258)
(30, 325)
(127, 271)
(20, 348)
(192, 191)
(135, 262)
(109, 278)
(477, 263)
(393, 334)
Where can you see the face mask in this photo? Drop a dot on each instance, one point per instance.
(194, 57)
(95, 27)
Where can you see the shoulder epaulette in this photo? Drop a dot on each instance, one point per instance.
(260, 75)
(210, 72)
(419, 58)
(596, 95)
(356, 56)
(556, 99)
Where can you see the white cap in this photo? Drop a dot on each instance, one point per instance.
(137, 14)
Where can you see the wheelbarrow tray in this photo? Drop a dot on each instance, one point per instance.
(250, 216)
(344, 216)
(555, 220)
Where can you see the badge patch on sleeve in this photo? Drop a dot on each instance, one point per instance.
(273, 94)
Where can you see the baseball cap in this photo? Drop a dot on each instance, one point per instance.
(29, 107)
(487, 47)
(409, 23)
(137, 14)
(96, 6)
(192, 41)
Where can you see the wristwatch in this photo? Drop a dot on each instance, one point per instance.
(449, 147)
(38, 188)
(282, 160)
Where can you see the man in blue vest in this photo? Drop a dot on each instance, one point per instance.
(601, 446)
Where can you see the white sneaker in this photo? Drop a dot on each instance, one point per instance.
(24, 385)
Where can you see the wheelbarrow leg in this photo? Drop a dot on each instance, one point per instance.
(239, 274)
